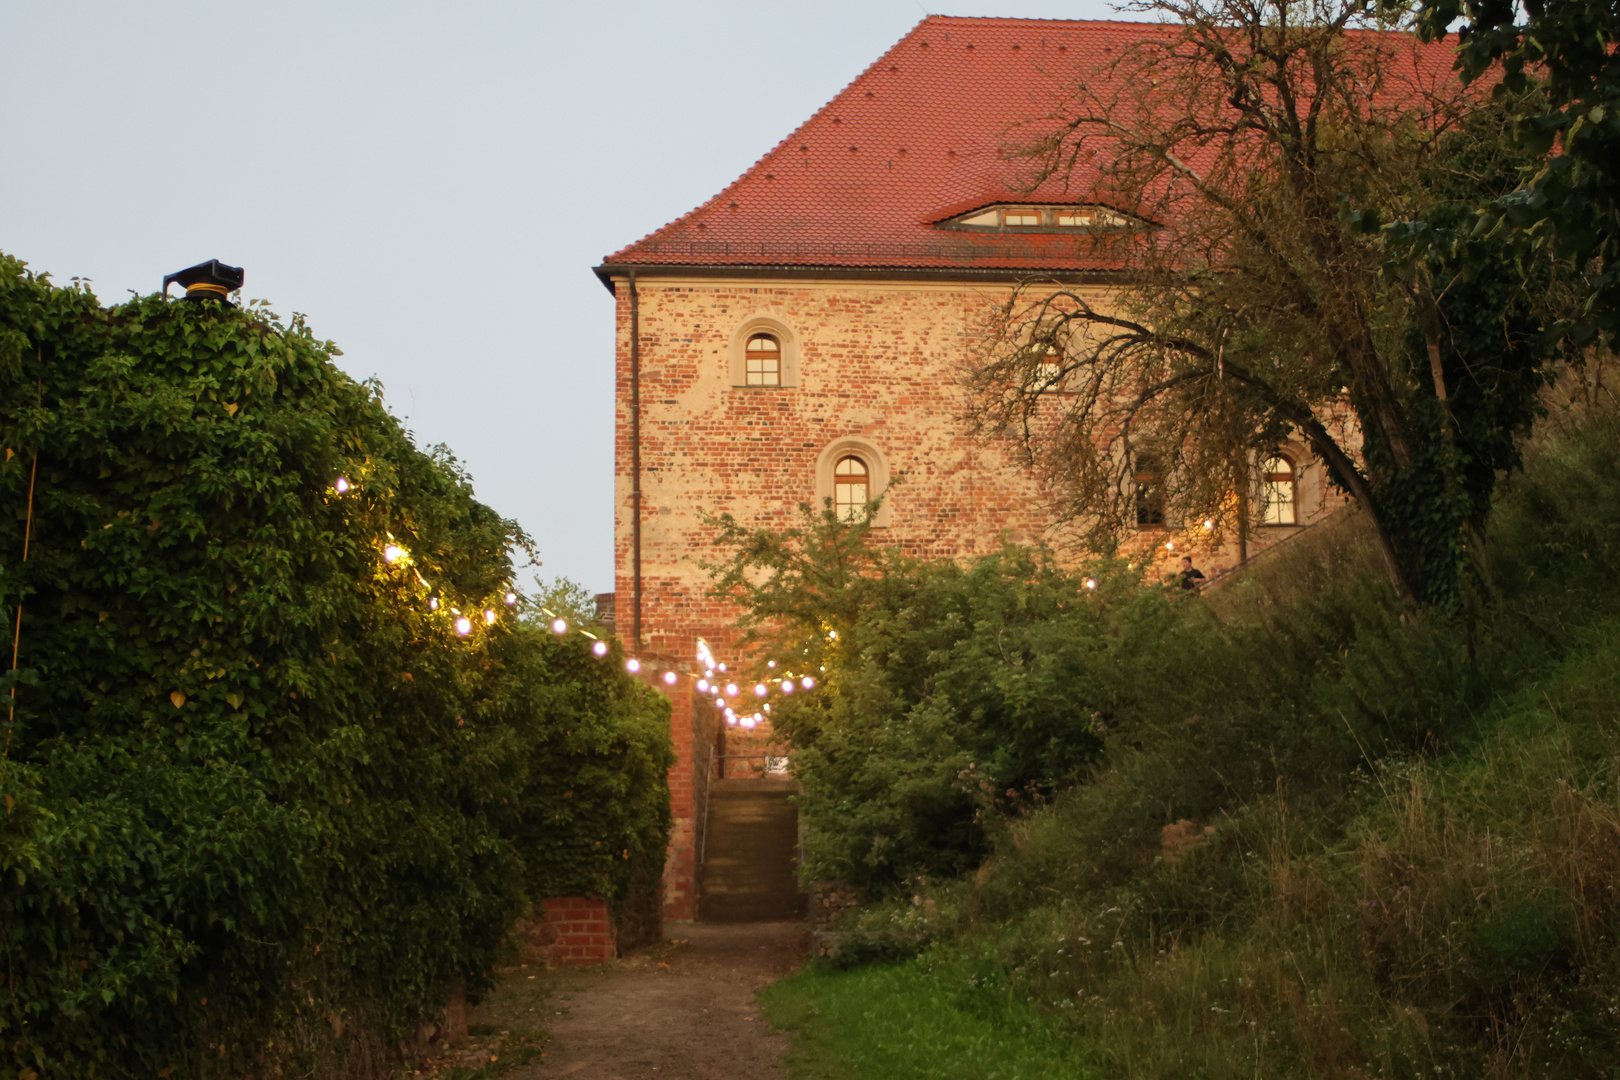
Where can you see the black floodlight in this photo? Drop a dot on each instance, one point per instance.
(212, 280)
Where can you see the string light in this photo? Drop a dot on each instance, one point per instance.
(341, 485)
(1170, 545)
(731, 689)
(489, 616)
(464, 626)
(1209, 523)
(703, 686)
(632, 665)
(559, 626)
(787, 686)
(770, 664)
(669, 678)
(1091, 583)
(759, 690)
(600, 648)
(808, 683)
(433, 603)
(393, 553)
(510, 598)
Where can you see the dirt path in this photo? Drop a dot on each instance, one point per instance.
(681, 1010)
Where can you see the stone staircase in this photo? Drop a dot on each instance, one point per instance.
(750, 853)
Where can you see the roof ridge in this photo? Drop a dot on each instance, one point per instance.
(932, 144)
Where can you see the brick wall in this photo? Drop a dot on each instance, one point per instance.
(569, 930)
(877, 361)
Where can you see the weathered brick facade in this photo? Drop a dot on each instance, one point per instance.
(871, 243)
(876, 361)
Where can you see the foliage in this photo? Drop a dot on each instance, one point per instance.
(1339, 844)
(567, 599)
(1262, 143)
(264, 806)
(946, 692)
(1567, 202)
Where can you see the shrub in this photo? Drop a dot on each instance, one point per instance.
(264, 805)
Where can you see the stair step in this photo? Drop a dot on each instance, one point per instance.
(750, 853)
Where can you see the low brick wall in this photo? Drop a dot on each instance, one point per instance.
(570, 930)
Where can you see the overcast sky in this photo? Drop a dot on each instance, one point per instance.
(429, 183)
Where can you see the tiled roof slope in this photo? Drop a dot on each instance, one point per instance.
(919, 136)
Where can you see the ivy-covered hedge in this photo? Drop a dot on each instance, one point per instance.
(264, 806)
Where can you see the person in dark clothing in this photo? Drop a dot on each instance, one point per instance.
(1190, 574)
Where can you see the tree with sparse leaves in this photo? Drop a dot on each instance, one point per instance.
(1260, 145)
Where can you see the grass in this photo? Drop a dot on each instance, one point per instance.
(1394, 847)
(922, 1019)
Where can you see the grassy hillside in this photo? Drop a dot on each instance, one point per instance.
(1327, 843)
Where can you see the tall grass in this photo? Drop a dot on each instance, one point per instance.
(1331, 843)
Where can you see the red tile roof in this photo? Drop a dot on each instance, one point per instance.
(920, 136)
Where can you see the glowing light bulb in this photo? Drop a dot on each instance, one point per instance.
(1091, 583)
(1170, 545)
(787, 686)
(731, 720)
(489, 616)
(341, 485)
(433, 603)
(832, 635)
(510, 598)
(559, 626)
(710, 673)
(808, 683)
(600, 648)
(393, 553)
(749, 721)
(759, 690)
(464, 626)
(669, 678)
(632, 665)
(722, 667)
(731, 689)
(770, 663)
(703, 686)
(1209, 523)
(767, 708)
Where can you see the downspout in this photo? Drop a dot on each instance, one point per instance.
(635, 461)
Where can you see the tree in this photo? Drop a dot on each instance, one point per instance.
(1569, 204)
(264, 800)
(1260, 143)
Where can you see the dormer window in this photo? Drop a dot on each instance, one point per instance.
(1041, 219)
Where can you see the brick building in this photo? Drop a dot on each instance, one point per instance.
(795, 337)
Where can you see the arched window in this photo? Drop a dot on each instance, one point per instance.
(763, 360)
(851, 488)
(1149, 494)
(1281, 490)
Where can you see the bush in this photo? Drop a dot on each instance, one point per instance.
(1321, 840)
(264, 806)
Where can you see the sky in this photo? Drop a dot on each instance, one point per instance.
(429, 183)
